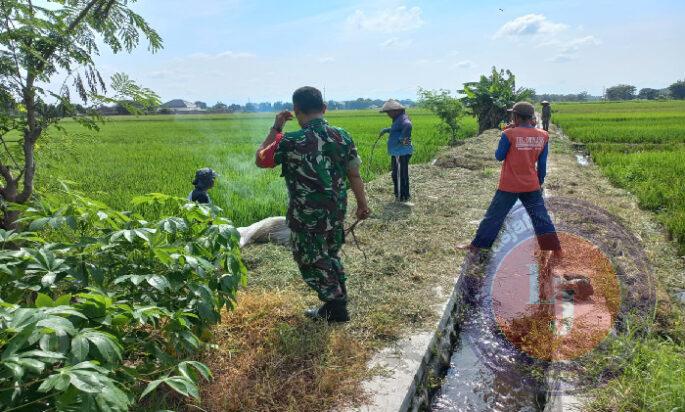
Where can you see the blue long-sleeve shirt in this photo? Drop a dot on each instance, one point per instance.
(503, 149)
(399, 140)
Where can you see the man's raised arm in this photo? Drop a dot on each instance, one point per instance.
(264, 157)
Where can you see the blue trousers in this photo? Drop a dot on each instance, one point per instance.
(499, 209)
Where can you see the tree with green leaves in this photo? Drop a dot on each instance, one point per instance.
(448, 108)
(648, 94)
(621, 92)
(46, 42)
(489, 98)
(677, 90)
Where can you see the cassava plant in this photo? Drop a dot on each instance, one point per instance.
(101, 309)
(41, 43)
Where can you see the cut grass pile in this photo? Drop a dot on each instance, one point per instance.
(131, 156)
(272, 359)
(640, 146)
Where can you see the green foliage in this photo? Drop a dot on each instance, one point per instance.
(621, 92)
(40, 41)
(134, 155)
(449, 109)
(640, 146)
(489, 98)
(677, 90)
(648, 94)
(99, 308)
(649, 371)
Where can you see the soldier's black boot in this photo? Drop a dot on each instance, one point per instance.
(333, 311)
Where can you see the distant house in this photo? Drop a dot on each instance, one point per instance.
(181, 106)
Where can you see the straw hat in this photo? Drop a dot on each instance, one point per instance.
(545, 102)
(391, 105)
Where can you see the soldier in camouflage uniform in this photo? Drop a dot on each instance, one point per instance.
(318, 162)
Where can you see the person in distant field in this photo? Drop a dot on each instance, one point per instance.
(521, 148)
(204, 180)
(546, 114)
(318, 164)
(400, 147)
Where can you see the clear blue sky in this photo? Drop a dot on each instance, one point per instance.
(260, 50)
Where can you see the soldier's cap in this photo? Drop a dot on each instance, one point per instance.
(204, 176)
(545, 102)
(391, 105)
(524, 109)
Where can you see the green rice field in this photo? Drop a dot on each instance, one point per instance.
(130, 156)
(640, 146)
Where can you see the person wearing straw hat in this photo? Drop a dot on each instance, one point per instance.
(546, 114)
(400, 147)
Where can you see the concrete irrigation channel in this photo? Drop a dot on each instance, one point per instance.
(464, 358)
(464, 365)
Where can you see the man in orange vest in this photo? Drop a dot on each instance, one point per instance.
(521, 148)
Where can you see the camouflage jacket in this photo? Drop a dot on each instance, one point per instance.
(315, 161)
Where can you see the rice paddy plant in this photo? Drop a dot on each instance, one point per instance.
(131, 156)
(640, 146)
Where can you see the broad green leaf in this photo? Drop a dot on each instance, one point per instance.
(63, 300)
(18, 341)
(151, 387)
(159, 282)
(57, 324)
(184, 386)
(183, 368)
(43, 300)
(57, 381)
(80, 347)
(54, 343)
(106, 345)
(86, 381)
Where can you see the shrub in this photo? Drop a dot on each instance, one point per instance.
(449, 109)
(99, 308)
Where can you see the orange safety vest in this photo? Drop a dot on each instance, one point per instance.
(519, 172)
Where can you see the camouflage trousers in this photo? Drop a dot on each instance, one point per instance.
(317, 255)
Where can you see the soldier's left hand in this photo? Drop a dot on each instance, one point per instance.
(363, 213)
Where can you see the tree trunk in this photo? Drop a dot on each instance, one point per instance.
(9, 217)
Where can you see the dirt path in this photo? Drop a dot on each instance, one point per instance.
(270, 358)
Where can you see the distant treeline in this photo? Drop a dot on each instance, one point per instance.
(629, 92)
(358, 104)
(580, 97)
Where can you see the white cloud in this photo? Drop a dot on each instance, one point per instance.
(228, 54)
(396, 43)
(529, 25)
(326, 59)
(387, 21)
(466, 64)
(569, 50)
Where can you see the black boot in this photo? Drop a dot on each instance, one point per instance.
(333, 311)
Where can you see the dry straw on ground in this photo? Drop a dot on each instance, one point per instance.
(269, 357)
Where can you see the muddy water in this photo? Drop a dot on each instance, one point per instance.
(487, 373)
(500, 384)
